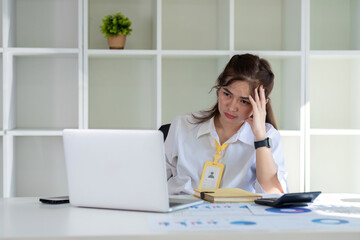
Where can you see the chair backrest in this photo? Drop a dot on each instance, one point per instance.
(165, 129)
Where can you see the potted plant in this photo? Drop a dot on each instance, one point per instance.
(115, 28)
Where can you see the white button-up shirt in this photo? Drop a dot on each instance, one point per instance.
(188, 146)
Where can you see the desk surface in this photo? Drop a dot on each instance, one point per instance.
(333, 216)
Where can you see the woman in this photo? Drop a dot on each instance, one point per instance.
(230, 144)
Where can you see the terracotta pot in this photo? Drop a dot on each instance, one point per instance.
(117, 42)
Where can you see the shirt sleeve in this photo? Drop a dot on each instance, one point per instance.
(279, 159)
(171, 150)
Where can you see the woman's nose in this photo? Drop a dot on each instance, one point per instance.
(233, 105)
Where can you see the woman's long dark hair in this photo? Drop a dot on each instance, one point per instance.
(248, 68)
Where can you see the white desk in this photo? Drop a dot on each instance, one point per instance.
(27, 218)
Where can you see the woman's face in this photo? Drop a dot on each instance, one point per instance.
(234, 104)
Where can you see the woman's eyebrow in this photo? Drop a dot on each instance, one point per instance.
(228, 91)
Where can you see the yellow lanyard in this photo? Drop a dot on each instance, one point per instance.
(219, 149)
(208, 179)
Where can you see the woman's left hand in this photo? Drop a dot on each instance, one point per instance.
(257, 122)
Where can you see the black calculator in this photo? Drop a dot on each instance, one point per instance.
(290, 200)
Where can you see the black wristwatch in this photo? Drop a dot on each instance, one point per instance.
(264, 143)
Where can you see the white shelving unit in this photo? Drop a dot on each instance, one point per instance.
(333, 128)
(42, 92)
(58, 73)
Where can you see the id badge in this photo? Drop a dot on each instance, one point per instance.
(211, 175)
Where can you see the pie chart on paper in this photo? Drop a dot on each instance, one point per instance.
(288, 210)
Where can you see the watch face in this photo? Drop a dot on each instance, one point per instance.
(270, 142)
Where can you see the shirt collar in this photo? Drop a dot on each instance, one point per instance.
(244, 134)
(205, 127)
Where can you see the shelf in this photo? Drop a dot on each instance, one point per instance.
(186, 84)
(122, 93)
(335, 164)
(45, 92)
(290, 133)
(200, 25)
(34, 132)
(110, 53)
(285, 97)
(189, 53)
(32, 156)
(192, 75)
(39, 23)
(334, 93)
(142, 14)
(194, 53)
(293, 163)
(267, 25)
(270, 53)
(334, 132)
(42, 51)
(335, 25)
(348, 54)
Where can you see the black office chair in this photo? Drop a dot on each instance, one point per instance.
(165, 129)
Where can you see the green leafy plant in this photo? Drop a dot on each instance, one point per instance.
(116, 24)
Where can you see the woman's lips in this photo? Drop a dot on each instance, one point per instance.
(229, 116)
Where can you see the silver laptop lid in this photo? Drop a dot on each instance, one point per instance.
(121, 169)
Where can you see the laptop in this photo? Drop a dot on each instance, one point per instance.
(119, 169)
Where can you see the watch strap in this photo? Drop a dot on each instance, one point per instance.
(263, 143)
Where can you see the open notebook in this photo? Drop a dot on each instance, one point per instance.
(119, 169)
